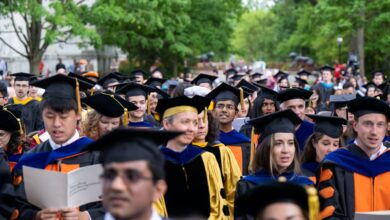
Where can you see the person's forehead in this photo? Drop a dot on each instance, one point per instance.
(22, 82)
(139, 165)
(186, 115)
(373, 117)
(225, 102)
(268, 100)
(137, 98)
(292, 102)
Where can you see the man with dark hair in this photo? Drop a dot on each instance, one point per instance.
(226, 99)
(63, 152)
(29, 107)
(348, 88)
(133, 176)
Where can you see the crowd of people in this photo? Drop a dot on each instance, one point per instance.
(247, 147)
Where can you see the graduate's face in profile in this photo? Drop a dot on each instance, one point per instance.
(186, 122)
(61, 126)
(107, 124)
(296, 105)
(129, 190)
(282, 211)
(325, 145)
(371, 129)
(5, 136)
(141, 102)
(225, 111)
(283, 150)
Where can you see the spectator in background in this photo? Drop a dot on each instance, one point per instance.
(3, 66)
(89, 66)
(72, 67)
(41, 66)
(60, 65)
(348, 88)
(114, 66)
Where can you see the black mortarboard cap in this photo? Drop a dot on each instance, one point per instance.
(74, 75)
(282, 121)
(262, 81)
(331, 126)
(256, 200)
(378, 71)
(10, 118)
(281, 74)
(110, 78)
(244, 83)
(230, 71)
(247, 90)
(294, 93)
(109, 104)
(22, 76)
(133, 89)
(341, 101)
(203, 78)
(267, 92)
(300, 81)
(130, 144)
(366, 105)
(238, 76)
(154, 82)
(326, 67)
(161, 94)
(303, 73)
(282, 78)
(61, 86)
(256, 74)
(138, 72)
(370, 85)
(226, 92)
(172, 106)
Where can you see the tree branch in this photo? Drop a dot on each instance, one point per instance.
(12, 48)
(24, 42)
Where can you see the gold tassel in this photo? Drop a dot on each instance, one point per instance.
(125, 117)
(211, 106)
(205, 116)
(92, 91)
(149, 112)
(78, 97)
(20, 126)
(252, 151)
(313, 203)
(242, 99)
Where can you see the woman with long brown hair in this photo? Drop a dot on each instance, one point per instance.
(277, 154)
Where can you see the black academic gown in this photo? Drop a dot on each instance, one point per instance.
(6, 188)
(31, 115)
(81, 159)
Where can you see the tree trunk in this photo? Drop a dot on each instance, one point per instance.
(360, 44)
(34, 64)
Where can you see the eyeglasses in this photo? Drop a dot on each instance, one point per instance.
(228, 107)
(128, 176)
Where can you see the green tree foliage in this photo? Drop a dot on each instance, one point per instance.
(171, 30)
(43, 24)
(311, 28)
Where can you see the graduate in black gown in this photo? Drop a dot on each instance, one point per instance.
(63, 152)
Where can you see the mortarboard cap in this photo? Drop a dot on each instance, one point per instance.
(203, 78)
(22, 76)
(282, 121)
(256, 200)
(341, 101)
(294, 93)
(262, 81)
(300, 81)
(303, 73)
(247, 90)
(161, 94)
(370, 85)
(326, 67)
(130, 144)
(267, 92)
(110, 105)
(281, 74)
(256, 74)
(248, 85)
(173, 106)
(226, 92)
(378, 72)
(74, 75)
(366, 105)
(133, 89)
(110, 78)
(230, 71)
(237, 76)
(282, 78)
(10, 118)
(138, 72)
(155, 82)
(331, 126)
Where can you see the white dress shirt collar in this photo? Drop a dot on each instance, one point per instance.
(74, 138)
